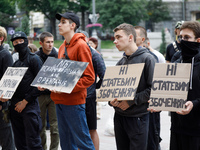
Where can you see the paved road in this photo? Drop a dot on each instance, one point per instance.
(105, 127)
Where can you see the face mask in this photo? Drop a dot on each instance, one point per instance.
(21, 48)
(189, 50)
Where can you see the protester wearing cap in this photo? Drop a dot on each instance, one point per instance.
(70, 108)
(175, 46)
(24, 109)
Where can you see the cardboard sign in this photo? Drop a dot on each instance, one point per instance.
(10, 81)
(59, 74)
(120, 82)
(170, 86)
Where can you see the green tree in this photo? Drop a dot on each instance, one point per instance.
(114, 12)
(25, 27)
(7, 10)
(157, 11)
(48, 7)
(163, 44)
(80, 6)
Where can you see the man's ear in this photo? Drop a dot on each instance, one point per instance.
(143, 39)
(131, 38)
(73, 25)
(198, 40)
(148, 44)
(40, 43)
(1, 39)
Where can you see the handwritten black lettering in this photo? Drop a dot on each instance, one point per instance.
(171, 69)
(169, 85)
(116, 93)
(8, 93)
(9, 83)
(123, 70)
(167, 102)
(15, 72)
(119, 82)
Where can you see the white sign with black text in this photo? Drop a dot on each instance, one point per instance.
(10, 81)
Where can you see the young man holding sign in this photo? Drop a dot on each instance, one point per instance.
(24, 109)
(185, 124)
(47, 50)
(70, 108)
(131, 120)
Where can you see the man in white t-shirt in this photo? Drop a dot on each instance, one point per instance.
(161, 58)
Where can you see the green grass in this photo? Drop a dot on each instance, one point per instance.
(106, 44)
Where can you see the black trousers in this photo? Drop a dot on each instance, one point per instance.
(154, 131)
(27, 126)
(131, 133)
(184, 142)
(7, 138)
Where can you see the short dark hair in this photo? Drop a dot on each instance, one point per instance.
(94, 40)
(192, 25)
(71, 21)
(43, 35)
(143, 32)
(127, 28)
(146, 41)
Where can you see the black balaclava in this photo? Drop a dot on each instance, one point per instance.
(22, 48)
(189, 50)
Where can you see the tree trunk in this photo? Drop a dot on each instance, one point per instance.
(83, 20)
(149, 25)
(53, 27)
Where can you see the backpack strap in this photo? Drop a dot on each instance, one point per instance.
(175, 46)
(66, 55)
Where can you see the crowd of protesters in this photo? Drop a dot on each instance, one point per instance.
(73, 117)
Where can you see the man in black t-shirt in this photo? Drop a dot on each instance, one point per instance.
(175, 46)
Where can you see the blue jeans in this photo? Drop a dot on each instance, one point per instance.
(73, 129)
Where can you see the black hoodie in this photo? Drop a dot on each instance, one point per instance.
(5, 62)
(138, 106)
(25, 90)
(44, 57)
(190, 124)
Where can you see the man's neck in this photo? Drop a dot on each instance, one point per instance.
(69, 36)
(46, 52)
(130, 50)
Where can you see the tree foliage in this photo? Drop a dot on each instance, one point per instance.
(7, 10)
(115, 12)
(25, 27)
(48, 7)
(163, 44)
(80, 6)
(157, 11)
